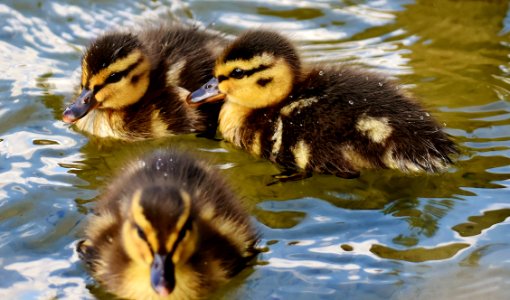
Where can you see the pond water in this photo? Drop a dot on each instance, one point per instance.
(385, 235)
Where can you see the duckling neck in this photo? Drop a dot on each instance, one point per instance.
(231, 120)
(102, 123)
(160, 112)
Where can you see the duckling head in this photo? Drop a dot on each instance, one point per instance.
(257, 70)
(159, 234)
(115, 74)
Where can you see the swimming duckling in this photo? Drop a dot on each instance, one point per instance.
(168, 228)
(328, 119)
(134, 86)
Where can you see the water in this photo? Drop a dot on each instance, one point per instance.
(382, 236)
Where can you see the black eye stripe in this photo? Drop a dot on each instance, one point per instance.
(221, 78)
(117, 76)
(182, 233)
(97, 88)
(141, 235)
(245, 73)
(114, 77)
(255, 70)
(264, 81)
(140, 232)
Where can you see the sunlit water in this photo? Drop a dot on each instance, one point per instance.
(382, 236)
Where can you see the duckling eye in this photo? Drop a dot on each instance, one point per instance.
(114, 77)
(140, 233)
(237, 73)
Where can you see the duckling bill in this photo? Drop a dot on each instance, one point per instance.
(168, 228)
(331, 119)
(134, 85)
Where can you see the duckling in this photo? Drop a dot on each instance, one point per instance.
(167, 228)
(134, 86)
(332, 119)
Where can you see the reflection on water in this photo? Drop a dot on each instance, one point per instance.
(383, 235)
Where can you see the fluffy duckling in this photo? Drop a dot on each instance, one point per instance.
(328, 119)
(134, 86)
(168, 228)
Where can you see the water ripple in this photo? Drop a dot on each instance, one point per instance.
(385, 235)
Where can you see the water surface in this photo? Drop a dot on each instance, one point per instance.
(385, 235)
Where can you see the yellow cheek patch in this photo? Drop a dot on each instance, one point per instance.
(126, 92)
(142, 222)
(225, 86)
(104, 93)
(135, 283)
(284, 82)
(186, 210)
(134, 246)
(117, 66)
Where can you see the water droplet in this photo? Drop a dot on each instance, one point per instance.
(380, 84)
(321, 72)
(421, 117)
(159, 164)
(351, 102)
(365, 99)
(427, 114)
(444, 124)
(141, 163)
(165, 174)
(301, 125)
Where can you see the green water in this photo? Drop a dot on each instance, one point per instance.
(381, 236)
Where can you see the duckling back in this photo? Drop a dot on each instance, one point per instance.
(168, 227)
(340, 120)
